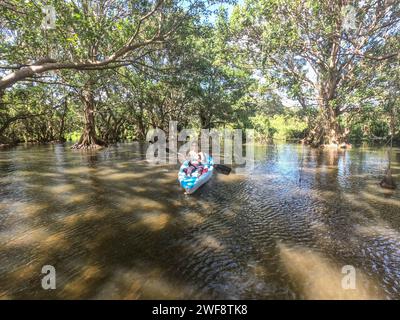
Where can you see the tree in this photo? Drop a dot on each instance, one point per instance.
(87, 35)
(218, 80)
(310, 50)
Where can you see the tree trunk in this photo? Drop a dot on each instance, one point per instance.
(205, 119)
(3, 140)
(89, 139)
(142, 129)
(61, 137)
(333, 133)
(327, 130)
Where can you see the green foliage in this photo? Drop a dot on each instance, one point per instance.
(281, 127)
(304, 50)
(73, 136)
(233, 72)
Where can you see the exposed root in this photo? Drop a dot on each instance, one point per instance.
(5, 143)
(343, 145)
(87, 142)
(81, 146)
(388, 181)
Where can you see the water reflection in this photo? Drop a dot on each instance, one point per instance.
(116, 227)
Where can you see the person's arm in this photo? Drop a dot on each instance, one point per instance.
(203, 157)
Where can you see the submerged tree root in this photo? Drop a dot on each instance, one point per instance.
(87, 142)
(80, 146)
(388, 181)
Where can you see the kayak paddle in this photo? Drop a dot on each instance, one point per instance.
(222, 169)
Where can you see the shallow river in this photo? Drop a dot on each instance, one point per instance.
(116, 227)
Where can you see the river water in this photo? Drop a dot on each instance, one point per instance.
(116, 227)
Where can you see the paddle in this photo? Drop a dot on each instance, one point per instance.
(220, 168)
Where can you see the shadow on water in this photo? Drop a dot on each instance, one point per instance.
(114, 226)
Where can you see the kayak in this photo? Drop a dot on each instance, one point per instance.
(194, 181)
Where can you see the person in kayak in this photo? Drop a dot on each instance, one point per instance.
(196, 160)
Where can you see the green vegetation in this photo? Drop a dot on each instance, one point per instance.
(281, 127)
(108, 71)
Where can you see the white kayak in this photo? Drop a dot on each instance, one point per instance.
(194, 181)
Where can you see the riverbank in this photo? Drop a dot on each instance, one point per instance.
(6, 145)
